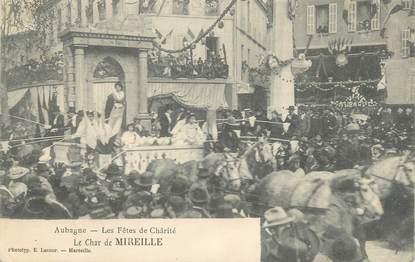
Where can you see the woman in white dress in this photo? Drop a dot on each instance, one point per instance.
(114, 108)
(130, 137)
(191, 132)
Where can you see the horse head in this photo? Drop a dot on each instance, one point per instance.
(229, 171)
(263, 152)
(360, 195)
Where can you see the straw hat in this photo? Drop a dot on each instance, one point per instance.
(276, 216)
(18, 172)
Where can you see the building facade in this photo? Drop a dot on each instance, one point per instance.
(348, 44)
(236, 43)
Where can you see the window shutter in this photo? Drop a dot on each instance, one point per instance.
(311, 20)
(333, 18)
(352, 17)
(375, 22)
(405, 48)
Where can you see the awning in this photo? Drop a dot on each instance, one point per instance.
(198, 95)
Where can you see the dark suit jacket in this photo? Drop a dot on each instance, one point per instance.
(59, 123)
(165, 125)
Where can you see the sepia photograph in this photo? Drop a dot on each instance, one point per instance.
(296, 113)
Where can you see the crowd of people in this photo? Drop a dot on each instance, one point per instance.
(323, 138)
(183, 67)
(37, 71)
(306, 139)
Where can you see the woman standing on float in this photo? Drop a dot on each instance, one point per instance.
(114, 109)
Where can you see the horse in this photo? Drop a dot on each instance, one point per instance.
(395, 177)
(222, 165)
(256, 161)
(342, 200)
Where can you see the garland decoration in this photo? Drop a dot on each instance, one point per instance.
(199, 37)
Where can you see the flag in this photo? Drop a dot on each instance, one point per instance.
(39, 109)
(188, 38)
(50, 107)
(396, 9)
(23, 108)
(292, 5)
(45, 109)
(346, 7)
(381, 87)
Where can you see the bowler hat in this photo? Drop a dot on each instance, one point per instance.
(344, 248)
(276, 216)
(199, 195)
(203, 172)
(177, 203)
(113, 170)
(179, 186)
(224, 211)
(145, 180)
(42, 167)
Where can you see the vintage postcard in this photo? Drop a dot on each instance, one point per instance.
(207, 130)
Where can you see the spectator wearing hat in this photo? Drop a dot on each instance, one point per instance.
(294, 165)
(57, 124)
(165, 121)
(176, 206)
(276, 126)
(37, 184)
(343, 248)
(199, 198)
(228, 138)
(304, 122)
(73, 120)
(178, 187)
(279, 242)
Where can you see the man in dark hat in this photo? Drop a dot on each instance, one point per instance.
(141, 196)
(229, 138)
(178, 187)
(73, 120)
(176, 206)
(165, 120)
(58, 123)
(199, 198)
(279, 244)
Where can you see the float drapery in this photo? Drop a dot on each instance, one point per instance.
(202, 96)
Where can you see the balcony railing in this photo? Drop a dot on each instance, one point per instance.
(170, 67)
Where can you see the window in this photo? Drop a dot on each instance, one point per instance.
(79, 9)
(310, 19)
(248, 57)
(352, 17)
(405, 44)
(322, 18)
(332, 18)
(90, 12)
(59, 19)
(101, 9)
(375, 21)
(211, 46)
(116, 7)
(147, 6)
(406, 4)
(69, 13)
(211, 7)
(364, 15)
(181, 7)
